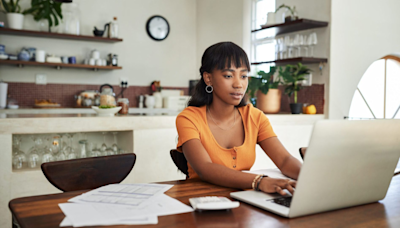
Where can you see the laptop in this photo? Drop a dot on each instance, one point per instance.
(347, 163)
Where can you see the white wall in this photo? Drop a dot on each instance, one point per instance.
(362, 32)
(321, 11)
(143, 60)
(222, 20)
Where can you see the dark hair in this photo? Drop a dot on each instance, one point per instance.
(218, 57)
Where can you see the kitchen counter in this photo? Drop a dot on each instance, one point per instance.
(153, 111)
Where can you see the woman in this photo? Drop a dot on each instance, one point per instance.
(218, 131)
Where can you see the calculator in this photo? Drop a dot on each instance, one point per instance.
(213, 203)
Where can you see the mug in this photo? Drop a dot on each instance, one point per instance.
(99, 62)
(64, 59)
(92, 61)
(40, 56)
(95, 54)
(72, 60)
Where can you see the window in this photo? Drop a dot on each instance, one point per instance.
(377, 95)
(262, 44)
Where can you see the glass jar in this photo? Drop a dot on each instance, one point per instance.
(124, 103)
(113, 29)
(107, 97)
(71, 19)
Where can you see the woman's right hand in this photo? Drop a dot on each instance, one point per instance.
(272, 185)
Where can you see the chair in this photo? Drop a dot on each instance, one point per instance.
(88, 173)
(180, 162)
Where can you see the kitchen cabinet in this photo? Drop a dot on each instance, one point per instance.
(289, 27)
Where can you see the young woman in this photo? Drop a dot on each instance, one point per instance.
(218, 131)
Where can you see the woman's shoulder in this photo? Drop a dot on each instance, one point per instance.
(250, 111)
(192, 112)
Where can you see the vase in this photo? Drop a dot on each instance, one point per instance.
(271, 102)
(158, 100)
(15, 20)
(296, 108)
(150, 101)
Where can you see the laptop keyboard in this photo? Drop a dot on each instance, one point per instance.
(285, 201)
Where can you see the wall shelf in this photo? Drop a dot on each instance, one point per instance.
(293, 26)
(8, 31)
(58, 65)
(303, 60)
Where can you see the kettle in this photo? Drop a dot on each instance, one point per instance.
(107, 95)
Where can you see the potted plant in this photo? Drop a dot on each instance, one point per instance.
(292, 76)
(14, 16)
(289, 15)
(265, 88)
(46, 9)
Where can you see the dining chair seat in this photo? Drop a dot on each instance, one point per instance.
(88, 173)
(180, 162)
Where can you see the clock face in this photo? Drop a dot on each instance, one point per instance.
(157, 27)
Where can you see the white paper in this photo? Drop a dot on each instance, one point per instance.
(99, 214)
(138, 195)
(65, 222)
(165, 205)
(274, 173)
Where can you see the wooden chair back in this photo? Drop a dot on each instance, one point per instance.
(88, 173)
(180, 161)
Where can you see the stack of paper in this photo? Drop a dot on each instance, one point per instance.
(121, 204)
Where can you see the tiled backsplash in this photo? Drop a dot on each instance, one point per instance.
(26, 93)
(309, 94)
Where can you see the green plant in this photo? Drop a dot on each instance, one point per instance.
(292, 11)
(292, 75)
(46, 9)
(11, 6)
(263, 82)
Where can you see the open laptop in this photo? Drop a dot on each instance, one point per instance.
(347, 163)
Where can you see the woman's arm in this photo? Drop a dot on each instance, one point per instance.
(288, 164)
(217, 174)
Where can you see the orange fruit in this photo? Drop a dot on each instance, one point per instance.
(310, 109)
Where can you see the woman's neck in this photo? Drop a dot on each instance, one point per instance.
(221, 111)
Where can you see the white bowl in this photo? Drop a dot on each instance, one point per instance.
(106, 111)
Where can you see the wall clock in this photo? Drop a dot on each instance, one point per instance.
(157, 28)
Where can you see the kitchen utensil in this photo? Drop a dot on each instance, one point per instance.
(32, 53)
(72, 60)
(107, 95)
(3, 94)
(23, 55)
(2, 49)
(64, 59)
(40, 56)
(106, 111)
(92, 62)
(95, 54)
(98, 32)
(150, 101)
(99, 62)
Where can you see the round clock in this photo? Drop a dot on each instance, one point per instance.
(157, 27)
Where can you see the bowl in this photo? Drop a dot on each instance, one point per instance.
(98, 33)
(106, 111)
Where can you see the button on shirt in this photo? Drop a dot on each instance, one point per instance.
(191, 123)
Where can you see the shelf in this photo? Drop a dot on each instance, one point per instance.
(303, 60)
(293, 26)
(57, 65)
(8, 31)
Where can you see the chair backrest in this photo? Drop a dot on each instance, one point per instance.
(88, 173)
(180, 161)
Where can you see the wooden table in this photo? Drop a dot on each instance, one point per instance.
(43, 211)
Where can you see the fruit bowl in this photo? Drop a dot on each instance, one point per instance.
(106, 111)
